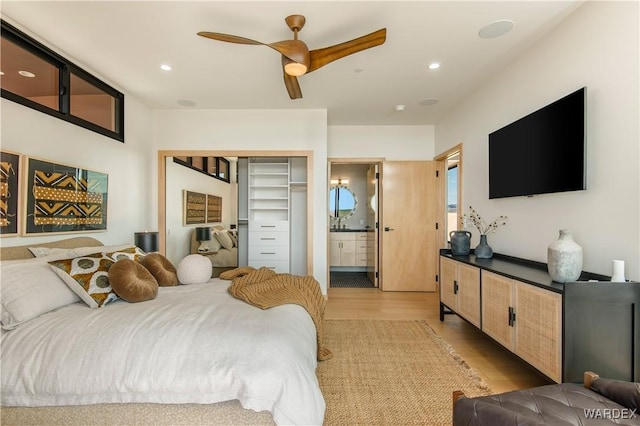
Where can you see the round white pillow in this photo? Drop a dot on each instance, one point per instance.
(194, 269)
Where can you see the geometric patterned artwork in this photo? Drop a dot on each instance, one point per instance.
(214, 208)
(195, 208)
(9, 193)
(64, 199)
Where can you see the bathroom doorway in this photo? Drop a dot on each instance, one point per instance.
(353, 223)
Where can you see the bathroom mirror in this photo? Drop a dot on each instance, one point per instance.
(342, 203)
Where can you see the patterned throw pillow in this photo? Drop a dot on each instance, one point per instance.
(132, 253)
(88, 277)
(225, 239)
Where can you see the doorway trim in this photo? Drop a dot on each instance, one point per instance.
(162, 196)
(442, 190)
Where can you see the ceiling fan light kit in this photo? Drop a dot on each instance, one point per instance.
(297, 59)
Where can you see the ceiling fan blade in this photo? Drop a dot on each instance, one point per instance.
(228, 38)
(291, 83)
(324, 56)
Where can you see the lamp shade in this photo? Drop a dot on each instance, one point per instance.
(203, 234)
(147, 241)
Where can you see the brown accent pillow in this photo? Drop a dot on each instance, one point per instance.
(132, 282)
(161, 268)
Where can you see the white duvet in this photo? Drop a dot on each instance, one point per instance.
(192, 344)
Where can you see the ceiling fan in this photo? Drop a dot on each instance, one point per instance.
(297, 59)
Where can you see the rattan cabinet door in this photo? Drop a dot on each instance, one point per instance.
(497, 302)
(539, 328)
(469, 293)
(447, 282)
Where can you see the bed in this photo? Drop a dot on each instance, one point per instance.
(190, 344)
(221, 249)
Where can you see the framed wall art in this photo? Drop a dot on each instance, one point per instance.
(214, 208)
(9, 193)
(195, 208)
(64, 198)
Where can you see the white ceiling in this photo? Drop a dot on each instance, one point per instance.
(124, 43)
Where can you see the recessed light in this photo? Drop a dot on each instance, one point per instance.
(434, 65)
(165, 67)
(496, 29)
(399, 108)
(429, 101)
(26, 74)
(186, 102)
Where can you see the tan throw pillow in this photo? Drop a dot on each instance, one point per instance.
(133, 253)
(132, 282)
(161, 268)
(87, 276)
(225, 239)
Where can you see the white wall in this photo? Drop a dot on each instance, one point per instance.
(129, 207)
(264, 130)
(393, 143)
(596, 47)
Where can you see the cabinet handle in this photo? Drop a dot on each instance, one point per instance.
(267, 226)
(455, 287)
(265, 252)
(512, 316)
(264, 239)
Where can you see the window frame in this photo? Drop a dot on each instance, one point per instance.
(65, 68)
(205, 166)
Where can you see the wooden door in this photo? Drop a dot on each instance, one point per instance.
(409, 238)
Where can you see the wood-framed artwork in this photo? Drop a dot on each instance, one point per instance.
(62, 199)
(195, 207)
(10, 163)
(214, 208)
(201, 208)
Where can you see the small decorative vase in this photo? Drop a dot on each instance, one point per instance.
(564, 258)
(483, 250)
(460, 242)
(618, 272)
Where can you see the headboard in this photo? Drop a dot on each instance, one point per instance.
(22, 252)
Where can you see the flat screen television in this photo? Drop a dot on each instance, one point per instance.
(541, 153)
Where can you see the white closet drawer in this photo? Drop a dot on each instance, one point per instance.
(268, 253)
(361, 247)
(271, 226)
(361, 260)
(361, 236)
(279, 266)
(267, 238)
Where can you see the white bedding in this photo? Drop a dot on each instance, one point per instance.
(192, 344)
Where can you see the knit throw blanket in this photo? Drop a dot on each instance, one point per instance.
(265, 289)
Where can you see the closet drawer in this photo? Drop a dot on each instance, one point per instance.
(270, 226)
(279, 266)
(268, 253)
(267, 238)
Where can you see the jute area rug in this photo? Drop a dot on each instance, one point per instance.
(391, 373)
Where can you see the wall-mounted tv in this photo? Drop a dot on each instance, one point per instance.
(541, 153)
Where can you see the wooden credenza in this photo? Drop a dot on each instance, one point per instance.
(560, 329)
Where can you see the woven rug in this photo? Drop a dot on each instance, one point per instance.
(391, 373)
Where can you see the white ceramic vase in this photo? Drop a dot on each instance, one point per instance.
(564, 258)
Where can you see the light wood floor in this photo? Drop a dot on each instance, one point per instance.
(500, 369)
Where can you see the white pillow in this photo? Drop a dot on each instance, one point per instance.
(28, 289)
(225, 239)
(194, 269)
(47, 251)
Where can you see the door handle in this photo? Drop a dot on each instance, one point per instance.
(387, 229)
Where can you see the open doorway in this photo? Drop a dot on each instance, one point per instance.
(452, 165)
(353, 218)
